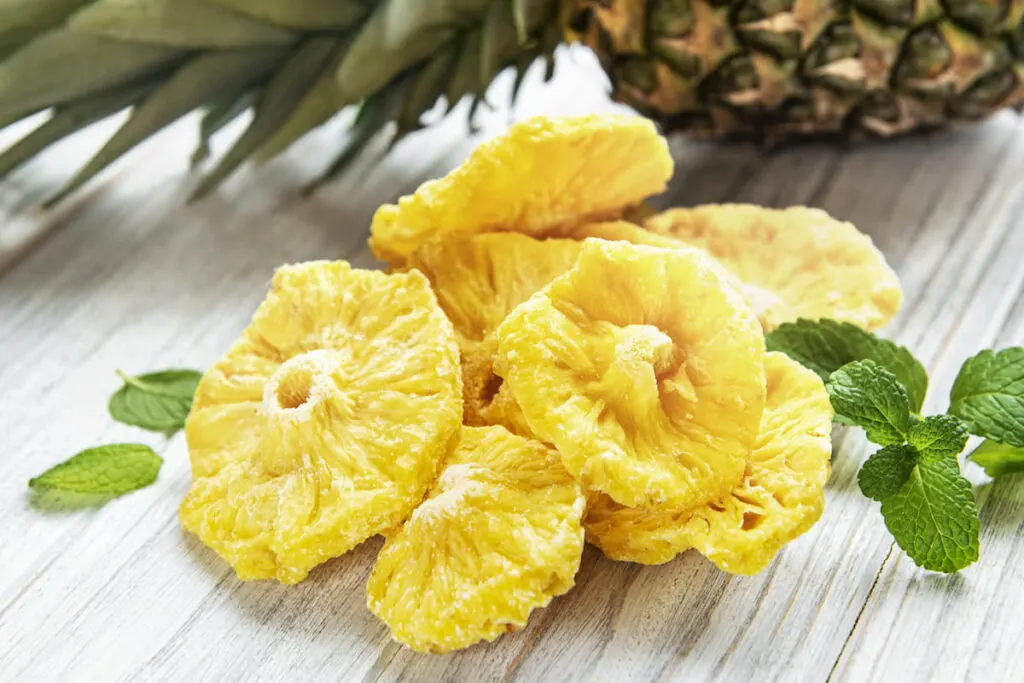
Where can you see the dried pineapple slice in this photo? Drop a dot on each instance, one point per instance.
(644, 369)
(325, 423)
(499, 535)
(794, 263)
(479, 280)
(543, 175)
(625, 231)
(781, 496)
(487, 399)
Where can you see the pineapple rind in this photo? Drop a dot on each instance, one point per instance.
(774, 71)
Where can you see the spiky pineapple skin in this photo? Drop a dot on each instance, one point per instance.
(777, 69)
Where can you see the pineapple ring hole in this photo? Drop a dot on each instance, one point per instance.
(751, 520)
(302, 382)
(294, 389)
(491, 389)
(648, 345)
(644, 361)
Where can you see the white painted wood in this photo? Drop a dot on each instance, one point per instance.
(124, 276)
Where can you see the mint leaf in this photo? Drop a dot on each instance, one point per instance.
(939, 436)
(934, 517)
(158, 401)
(988, 395)
(865, 394)
(998, 459)
(887, 471)
(825, 345)
(113, 470)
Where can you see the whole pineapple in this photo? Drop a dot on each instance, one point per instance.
(773, 69)
(764, 69)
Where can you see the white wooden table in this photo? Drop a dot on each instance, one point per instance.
(124, 276)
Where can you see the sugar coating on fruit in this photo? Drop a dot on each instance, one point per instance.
(498, 535)
(325, 423)
(793, 263)
(780, 497)
(479, 280)
(541, 177)
(454, 485)
(644, 369)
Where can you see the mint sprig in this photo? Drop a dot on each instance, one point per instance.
(825, 345)
(865, 394)
(111, 470)
(884, 473)
(998, 459)
(939, 435)
(988, 395)
(934, 517)
(157, 401)
(927, 503)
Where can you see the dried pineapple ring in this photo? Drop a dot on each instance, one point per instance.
(625, 231)
(543, 175)
(479, 280)
(325, 423)
(795, 263)
(487, 399)
(499, 535)
(644, 369)
(781, 496)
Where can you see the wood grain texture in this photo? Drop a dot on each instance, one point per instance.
(124, 276)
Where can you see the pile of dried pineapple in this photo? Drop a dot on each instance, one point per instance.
(536, 369)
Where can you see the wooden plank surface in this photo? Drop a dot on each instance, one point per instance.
(124, 276)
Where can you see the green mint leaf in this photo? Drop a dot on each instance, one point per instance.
(939, 436)
(112, 470)
(998, 459)
(934, 517)
(988, 395)
(825, 345)
(865, 394)
(158, 401)
(885, 472)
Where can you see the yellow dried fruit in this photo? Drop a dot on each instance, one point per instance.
(781, 496)
(479, 280)
(625, 231)
(542, 176)
(794, 263)
(486, 397)
(325, 423)
(498, 535)
(644, 369)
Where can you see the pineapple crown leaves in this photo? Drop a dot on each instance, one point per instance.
(294, 63)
